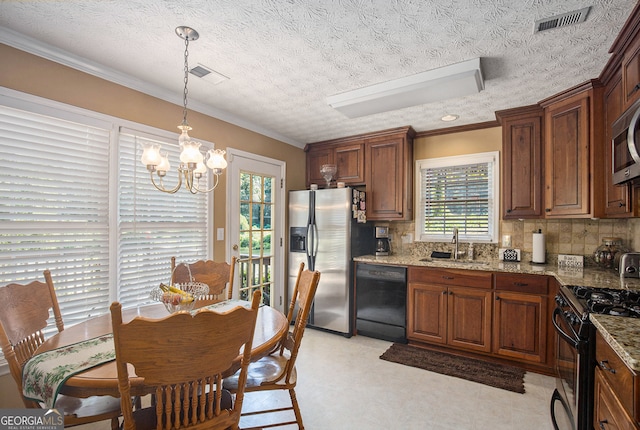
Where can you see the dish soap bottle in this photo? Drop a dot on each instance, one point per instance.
(470, 251)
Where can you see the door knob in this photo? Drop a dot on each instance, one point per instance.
(235, 247)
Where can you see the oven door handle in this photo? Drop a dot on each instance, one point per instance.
(574, 341)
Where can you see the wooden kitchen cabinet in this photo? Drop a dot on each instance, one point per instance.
(631, 73)
(522, 172)
(617, 201)
(573, 153)
(381, 161)
(316, 157)
(389, 175)
(350, 162)
(348, 158)
(608, 412)
(450, 307)
(520, 316)
(616, 402)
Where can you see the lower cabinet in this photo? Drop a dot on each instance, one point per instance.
(444, 313)
(520, 317)
(608, 412)
(502, 315)
(616, 397)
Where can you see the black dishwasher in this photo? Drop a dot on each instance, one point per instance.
(381, 302)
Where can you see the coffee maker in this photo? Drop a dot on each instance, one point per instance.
(382, 241)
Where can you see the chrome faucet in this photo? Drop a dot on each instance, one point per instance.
(455, 242)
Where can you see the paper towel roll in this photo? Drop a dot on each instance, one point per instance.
(538, 248)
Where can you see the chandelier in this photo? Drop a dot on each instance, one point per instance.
(193, 164)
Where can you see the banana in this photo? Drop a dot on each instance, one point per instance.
(170, 289)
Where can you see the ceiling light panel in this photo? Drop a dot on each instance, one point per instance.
(456, 80)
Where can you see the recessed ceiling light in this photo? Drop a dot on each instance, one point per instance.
(449, 117)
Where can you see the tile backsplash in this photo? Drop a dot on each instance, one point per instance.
(566, 236)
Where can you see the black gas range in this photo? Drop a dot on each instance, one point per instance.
(607, 301)
(572, 401)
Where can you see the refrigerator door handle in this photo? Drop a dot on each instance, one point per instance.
(316, 241)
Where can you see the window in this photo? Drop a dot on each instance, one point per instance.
(75, 199)
(458, 192)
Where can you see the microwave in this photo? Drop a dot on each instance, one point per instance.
(625, 146)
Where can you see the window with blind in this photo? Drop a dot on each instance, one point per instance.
(75, 199)
(458, 192)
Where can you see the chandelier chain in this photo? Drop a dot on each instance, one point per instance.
(186, 79)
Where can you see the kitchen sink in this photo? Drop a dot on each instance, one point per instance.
(451, 261)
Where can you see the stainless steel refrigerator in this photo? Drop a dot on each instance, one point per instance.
(325, 236)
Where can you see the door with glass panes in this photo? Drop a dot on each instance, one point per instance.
(256, 227)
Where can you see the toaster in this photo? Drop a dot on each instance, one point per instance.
(630, 265)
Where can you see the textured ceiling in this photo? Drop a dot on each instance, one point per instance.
(284, 58)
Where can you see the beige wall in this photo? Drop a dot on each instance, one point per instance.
(33, 75)
(467, 142)
(570, 236)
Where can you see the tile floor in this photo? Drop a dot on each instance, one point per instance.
(342, 384)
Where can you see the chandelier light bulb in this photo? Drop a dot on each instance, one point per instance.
(215, 160)
(151, 154)
(200, 169)
(191, 152)
(164, 165)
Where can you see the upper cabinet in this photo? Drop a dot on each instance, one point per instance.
(553, 156)
(389, 176)
(381, 162)
(631, 73)
(316, 157)
(346, 154)
(617, 198)
(522, 162)
(573, 153)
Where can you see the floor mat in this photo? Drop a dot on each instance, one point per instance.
(493, 374)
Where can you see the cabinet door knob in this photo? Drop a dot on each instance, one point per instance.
(547, 210)
(602, 423)
(497, 297)
(508, 211)
(622, 204)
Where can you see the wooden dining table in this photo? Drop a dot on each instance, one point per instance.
(101, 380)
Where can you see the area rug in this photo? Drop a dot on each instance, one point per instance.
(495, 375)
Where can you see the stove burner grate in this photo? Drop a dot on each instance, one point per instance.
(608, 301)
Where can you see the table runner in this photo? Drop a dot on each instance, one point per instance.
(44, 374)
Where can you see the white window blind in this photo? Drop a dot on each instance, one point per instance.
(54, 207)
(103, 238)
(458, 192)
(154, 226)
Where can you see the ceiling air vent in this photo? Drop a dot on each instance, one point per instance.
(211, 75)
(199, 71)
(569, 18)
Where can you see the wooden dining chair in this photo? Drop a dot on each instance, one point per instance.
(277, 371)
(24, 313)
(183, 359)
(217, 275)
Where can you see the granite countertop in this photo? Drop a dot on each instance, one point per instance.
(623, 334)
(586, 277)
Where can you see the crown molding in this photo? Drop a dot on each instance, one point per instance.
(51, 53)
